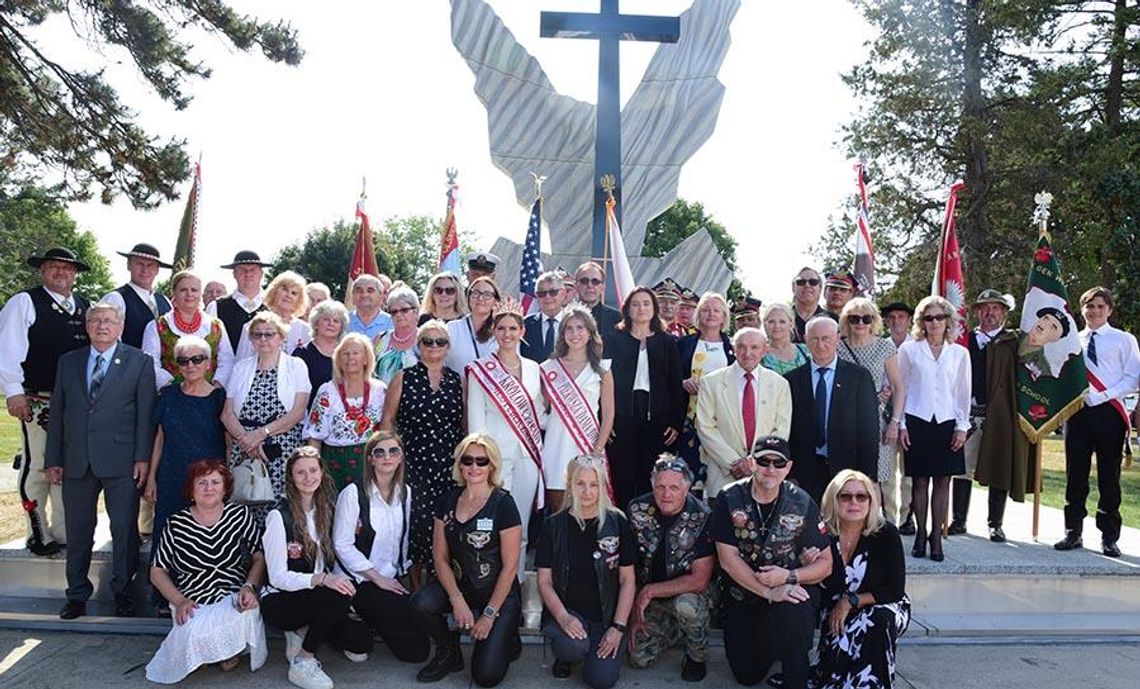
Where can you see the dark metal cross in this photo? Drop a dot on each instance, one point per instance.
(609, 27)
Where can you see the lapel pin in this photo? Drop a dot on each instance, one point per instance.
(117, 361)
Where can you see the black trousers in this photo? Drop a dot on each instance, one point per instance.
(388, 614)
(324, 612)
(491, 656)
(1098, 429)
(756, 635)
(121, 498)
(637, 443)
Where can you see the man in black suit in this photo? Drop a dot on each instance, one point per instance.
(590, 281)
(835, 409)
(541, 329)
(100, 438)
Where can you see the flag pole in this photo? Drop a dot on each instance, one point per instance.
(608, 183)
(1041, 215)
(1037, 481)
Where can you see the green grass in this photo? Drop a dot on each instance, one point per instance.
(10, 441)
(1053, 483)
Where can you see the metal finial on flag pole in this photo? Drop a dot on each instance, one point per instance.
(363, 187)
(452, 173)
(608, 184)
(538, 180)
(1043, 199)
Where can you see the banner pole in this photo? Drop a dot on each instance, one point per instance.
(1037, 481)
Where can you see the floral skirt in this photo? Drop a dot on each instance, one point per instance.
(345, 464)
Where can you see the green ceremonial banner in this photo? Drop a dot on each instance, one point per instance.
(1051, 378)
(187, 232)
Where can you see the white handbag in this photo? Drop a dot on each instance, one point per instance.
(251, 483)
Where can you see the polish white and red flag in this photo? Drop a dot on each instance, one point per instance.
(864, 267)
(949, 275)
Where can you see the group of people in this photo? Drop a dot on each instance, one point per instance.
(335, 470)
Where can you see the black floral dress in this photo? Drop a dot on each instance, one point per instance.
(430, 423)
(863, 656)
(263, 406)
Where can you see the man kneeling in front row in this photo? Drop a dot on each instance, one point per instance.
(674, 565)
(763, 526)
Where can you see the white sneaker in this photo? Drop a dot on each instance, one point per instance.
(356, 657)
(293, 642)
(307, 674)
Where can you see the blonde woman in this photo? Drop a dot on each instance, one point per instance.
(936, 376)
(477, 541)
(869, 609)
(346, 410)
(783, 354)
(285, 296)
(587, 545)
(705, 351)
(443, 299)
(186, 317)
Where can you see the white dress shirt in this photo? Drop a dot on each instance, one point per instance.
(391, 522)
(281, 578)
(939, 388)
(17, 316)
(249, 304)
(464, 347)
(1118, 363)
(115, 299)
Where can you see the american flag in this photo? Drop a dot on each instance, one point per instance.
(531, 260)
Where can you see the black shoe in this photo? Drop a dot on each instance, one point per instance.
(1071, 541)
(1110, 548)
(73, 609)
(956, 528)
(919, 549)
(908, 528)
(561, 668)
(997, 535)
(937, 555)
(40, 549)
(124, 606)
(691, 670)
(448, 659)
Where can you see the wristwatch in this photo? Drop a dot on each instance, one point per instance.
(792, 578)
(853, 599)
(490, 612)
(618, 626)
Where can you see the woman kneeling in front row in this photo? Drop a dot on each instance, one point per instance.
(475, 544)
(585, 575)
(304, 598)
(371, 536)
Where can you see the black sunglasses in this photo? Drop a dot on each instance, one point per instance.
(590, 281)
(196, 359)
(440, 289)
(434, 341)
(402, 309)
(864, 319)
(777, 462)
(468, 460)
(800, 282)
(934, 317)
(547, 293)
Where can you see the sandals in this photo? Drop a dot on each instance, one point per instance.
(229, 664)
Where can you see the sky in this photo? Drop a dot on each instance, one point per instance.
(383, 95)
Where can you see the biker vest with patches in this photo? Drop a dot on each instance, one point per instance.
(785, 524)
(682, 536)
(607, 558)
(475, 547)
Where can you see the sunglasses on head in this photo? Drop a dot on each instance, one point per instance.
(769, 461)
(440, 289)
(381, 452)
(854, 497)
(468, 460)
(864, 319)
(542, 293)
(196, 359)
(263, 334)
(590, 281)
(800, 282)
(930, 318)
(434, 341)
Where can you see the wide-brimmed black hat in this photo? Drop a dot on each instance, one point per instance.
(247, 258)
(59, 254)
(896, 306)
(145, 251)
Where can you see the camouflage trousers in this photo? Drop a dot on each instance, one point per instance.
(669, 622)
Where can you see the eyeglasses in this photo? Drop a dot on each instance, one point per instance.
(864, 319)
(934, 317)
(767, 461)
(468, 460)
(403, 309)
(854, 497)
(380, 452)
(543, 293)
(103, 321)
(263, 334)
(440, 289)
(590, 281)
(434, 342)
(800, 282)
(187, 360)
(480, 295)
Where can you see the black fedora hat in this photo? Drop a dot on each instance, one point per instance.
(247, 258)
(59, 254)
(145, 251)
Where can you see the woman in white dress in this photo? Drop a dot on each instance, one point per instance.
(579, 391)
(504, 400)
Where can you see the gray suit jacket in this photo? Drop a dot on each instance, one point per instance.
(113, 431)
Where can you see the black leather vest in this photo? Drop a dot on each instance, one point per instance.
(681, 539)
(607, 555)
(475, 547)
(138, 314)
(54, 333)
(977, 370)
(233, 316)
(784, 527)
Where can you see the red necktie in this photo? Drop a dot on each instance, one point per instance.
(748, 409)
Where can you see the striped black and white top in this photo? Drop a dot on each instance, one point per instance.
(207, 563)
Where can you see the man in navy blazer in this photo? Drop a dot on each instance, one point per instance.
(849, 437)
(590, 280)
(100, 438)
(541, 329)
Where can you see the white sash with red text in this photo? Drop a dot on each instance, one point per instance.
(570, 403)
(513, 402)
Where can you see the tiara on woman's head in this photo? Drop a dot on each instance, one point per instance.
(508, 307)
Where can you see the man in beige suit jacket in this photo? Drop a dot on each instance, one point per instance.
(720, 418)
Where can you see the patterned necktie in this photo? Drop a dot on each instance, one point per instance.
(150, 302)
(97, 375)
(748, 411)
(548, 338)
(68, 306)
(821, 409)
(1092, 348)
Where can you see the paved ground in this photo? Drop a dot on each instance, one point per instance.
(84, 660)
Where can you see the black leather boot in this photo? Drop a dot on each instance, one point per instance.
(960, 489)
(448, 659)
(997, 514)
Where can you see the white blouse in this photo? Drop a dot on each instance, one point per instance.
(292, 378)
(329, 422)
(939, 388)
(277, 555)
(299, 335)
(391, 524)
(465, 348)
(484, 416)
